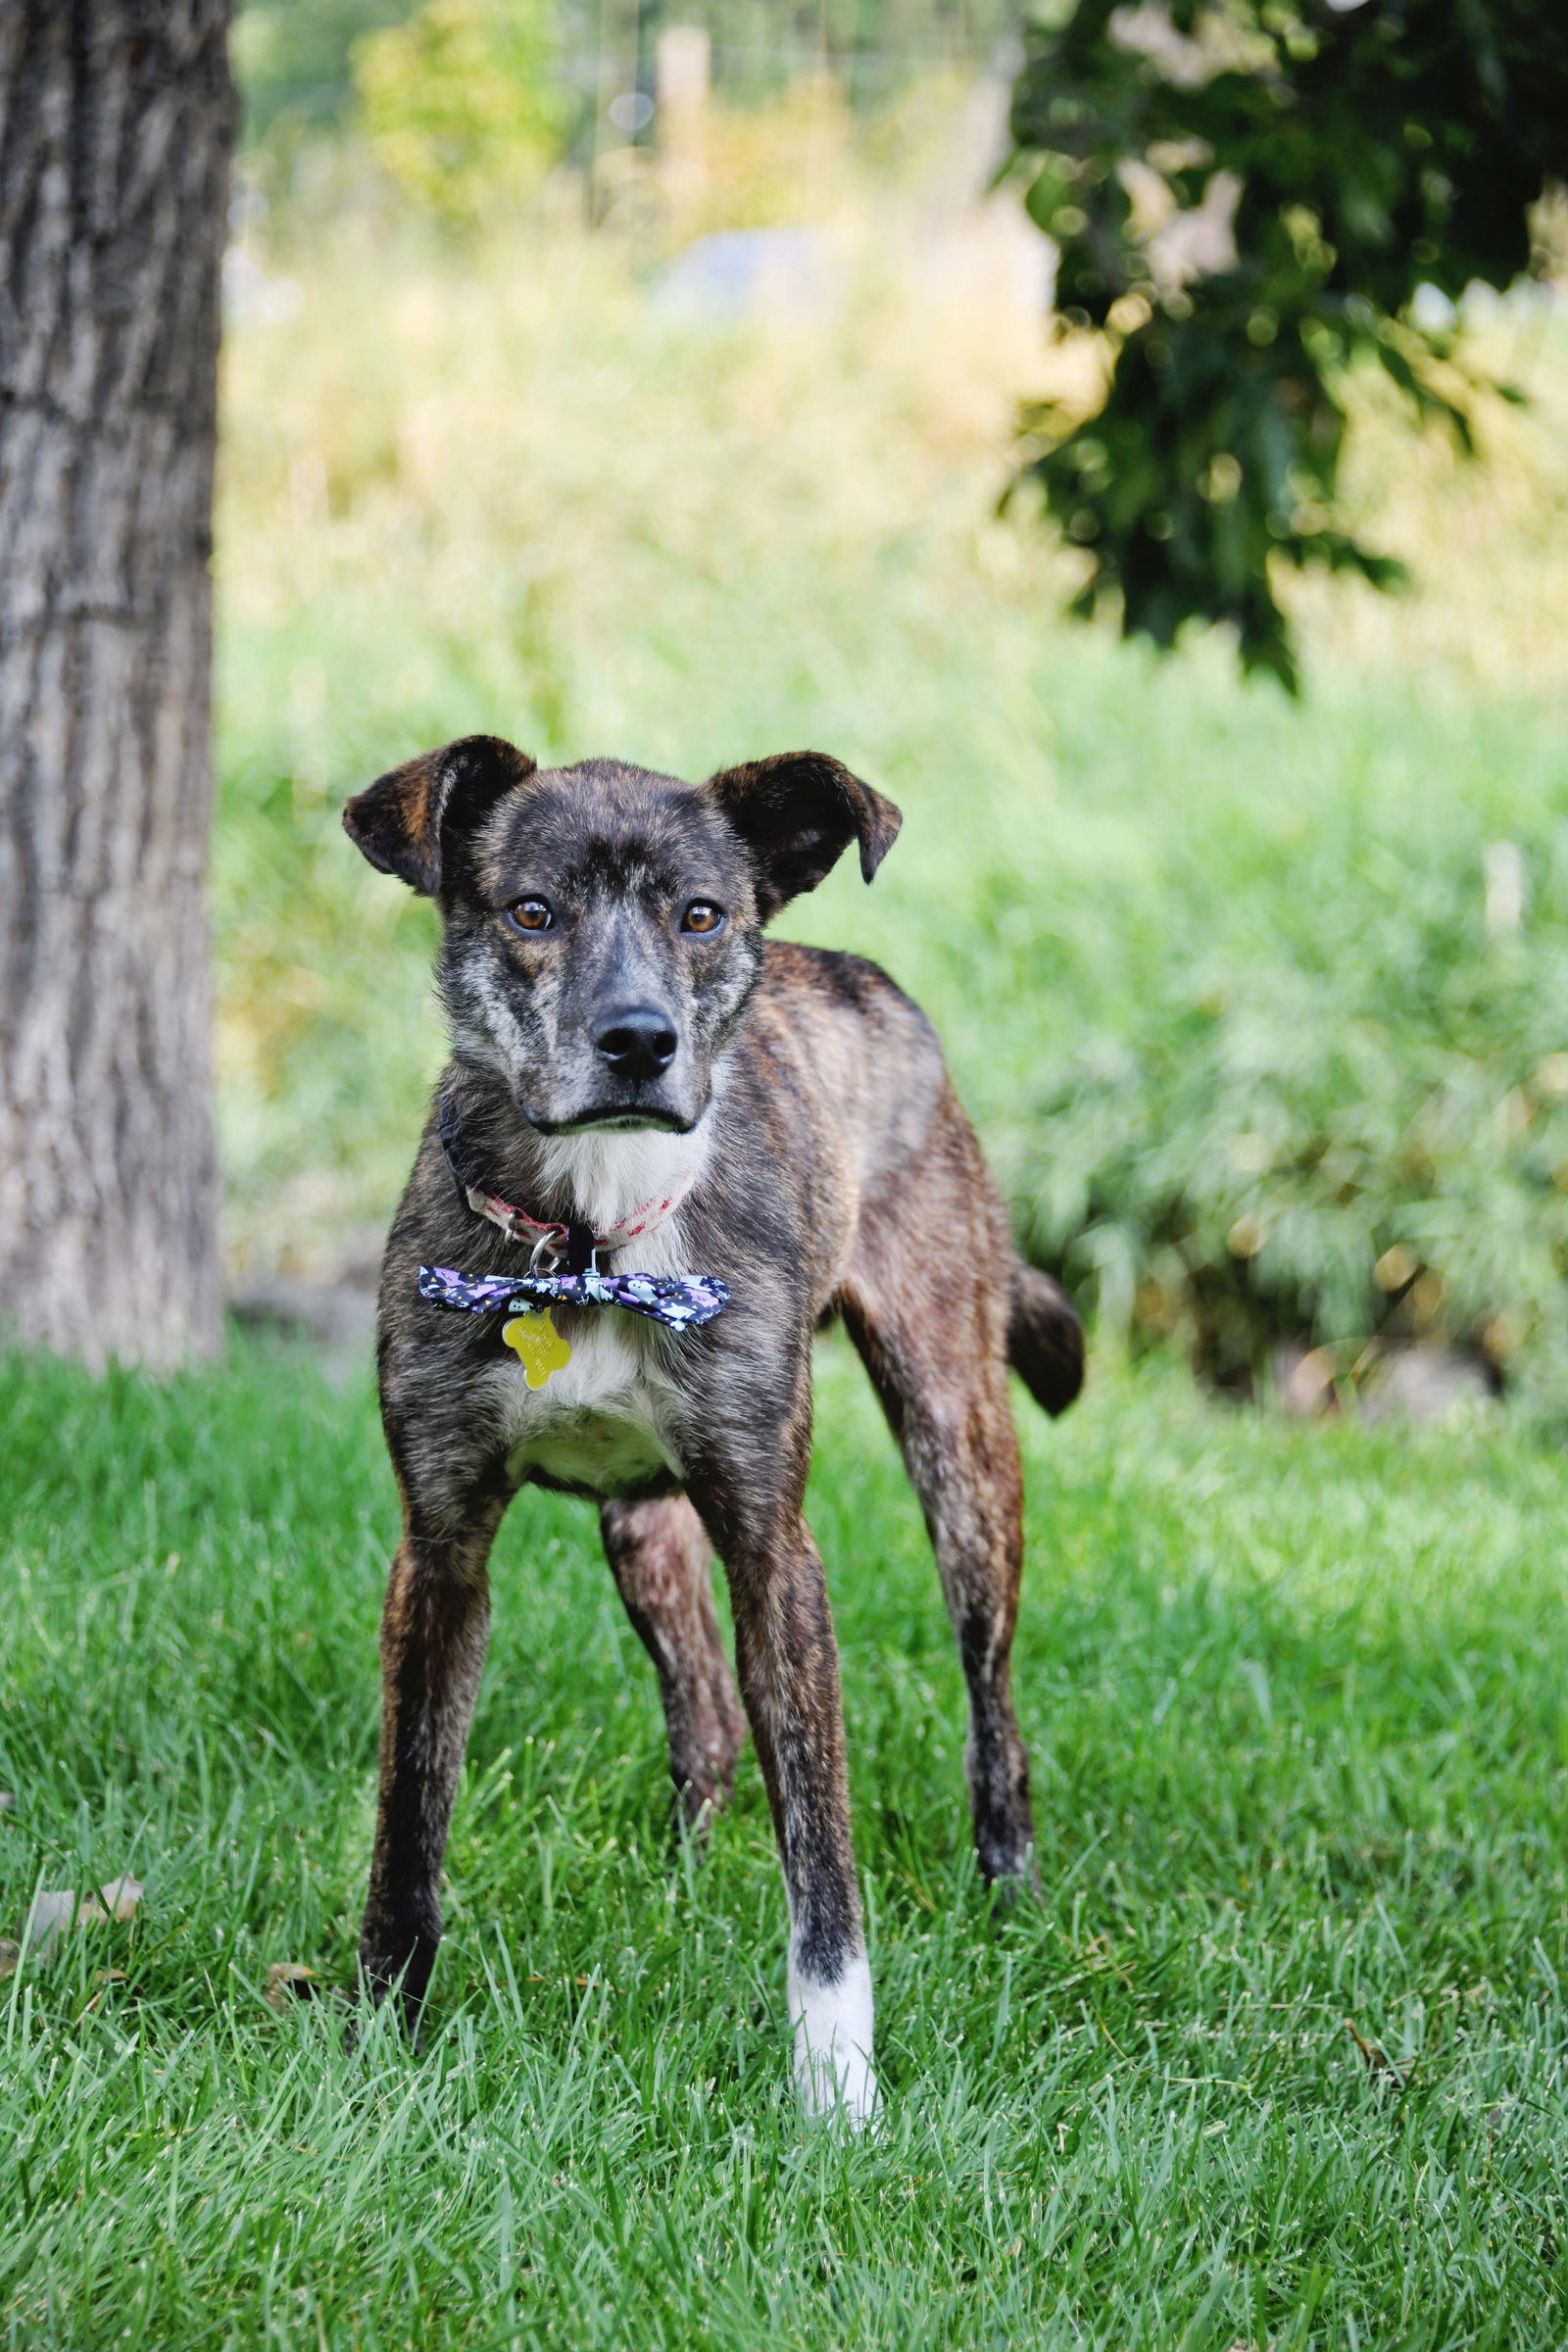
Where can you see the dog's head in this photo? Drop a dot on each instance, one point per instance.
(602, 923)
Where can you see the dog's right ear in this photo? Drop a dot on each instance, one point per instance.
(409, 820)
(797, 814)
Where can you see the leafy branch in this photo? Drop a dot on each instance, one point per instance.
(1249, 200)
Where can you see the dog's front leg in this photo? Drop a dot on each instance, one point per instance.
(434, 1626)
(789, 1678)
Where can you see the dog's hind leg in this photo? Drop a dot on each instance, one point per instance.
(659, 1554)
(434, 1626)
(932, 1333)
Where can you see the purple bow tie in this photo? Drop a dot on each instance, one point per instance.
(678, 1300)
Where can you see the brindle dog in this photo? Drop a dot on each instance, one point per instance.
(621, 1030)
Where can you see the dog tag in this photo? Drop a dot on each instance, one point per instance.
(537, 1344)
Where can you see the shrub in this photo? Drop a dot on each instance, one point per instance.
(464, 105)
(1327, 1098)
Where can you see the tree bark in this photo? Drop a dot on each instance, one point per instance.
(116, 128)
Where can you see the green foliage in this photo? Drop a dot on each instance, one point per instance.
(291, 58)
(463, 104)
(1315, 1094)
(1368, 152)
(1296, 1706)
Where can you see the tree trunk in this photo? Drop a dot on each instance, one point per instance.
(116, 125)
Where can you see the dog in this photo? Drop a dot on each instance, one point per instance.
(650, 1107)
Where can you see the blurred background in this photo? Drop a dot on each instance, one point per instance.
(650, 381)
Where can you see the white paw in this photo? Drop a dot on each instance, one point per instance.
(832, 2025)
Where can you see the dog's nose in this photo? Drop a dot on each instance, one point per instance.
(638, 1043)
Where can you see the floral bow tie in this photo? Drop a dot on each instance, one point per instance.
(678, 1300)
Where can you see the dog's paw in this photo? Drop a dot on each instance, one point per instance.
(1013, 1886)
(842, 2089)
(364, 2011)
(833, 2070)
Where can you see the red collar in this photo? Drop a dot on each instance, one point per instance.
(516, 1223)
(574, 1241)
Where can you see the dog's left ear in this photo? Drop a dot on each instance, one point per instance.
(797, 815)
(409, 821)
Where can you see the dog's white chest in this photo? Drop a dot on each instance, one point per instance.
(595, 1424)
(599, 1422)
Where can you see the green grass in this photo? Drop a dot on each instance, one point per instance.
(1295, 1697)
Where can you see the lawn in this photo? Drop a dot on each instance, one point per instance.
(1295, 1700)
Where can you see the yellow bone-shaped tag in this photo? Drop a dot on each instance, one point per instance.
(538, 1345)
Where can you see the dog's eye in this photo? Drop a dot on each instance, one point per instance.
(530, 915)
(701, 916)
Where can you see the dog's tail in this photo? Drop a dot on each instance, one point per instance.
(1045, 1339)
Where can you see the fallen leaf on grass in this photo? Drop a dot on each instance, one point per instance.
(1379, 2065)
(46, 1923)
(288, 1981)
(52, 1913)
(10, 1954)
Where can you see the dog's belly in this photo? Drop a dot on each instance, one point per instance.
(592, 1427)
(593, 1453)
